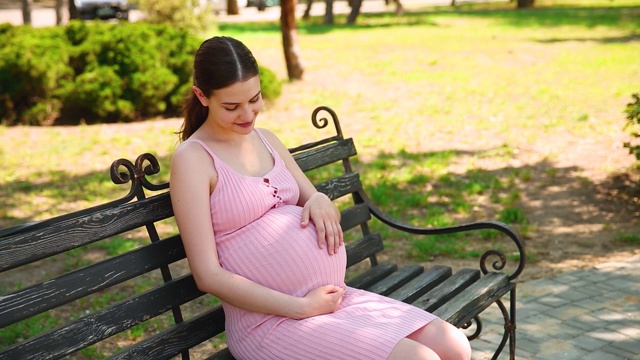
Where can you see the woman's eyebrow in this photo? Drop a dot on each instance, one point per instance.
(236, 103)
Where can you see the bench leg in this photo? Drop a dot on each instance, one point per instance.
(512, 327)
(509, 326)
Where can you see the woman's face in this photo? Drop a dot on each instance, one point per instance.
(235, 107)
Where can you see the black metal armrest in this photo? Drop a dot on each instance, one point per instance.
(489, 225)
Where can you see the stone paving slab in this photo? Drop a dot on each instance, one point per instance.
(578, 315)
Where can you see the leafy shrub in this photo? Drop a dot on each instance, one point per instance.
(194, 15)
(130, 67)
(33, 64)
(98, 72)
(270, 86)
(633, 124)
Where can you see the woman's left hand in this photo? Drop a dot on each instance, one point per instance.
(326, 218)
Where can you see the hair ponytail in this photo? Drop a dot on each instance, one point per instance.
(194, 114)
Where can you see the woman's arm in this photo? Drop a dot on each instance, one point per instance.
(190, 191)
(317, 207)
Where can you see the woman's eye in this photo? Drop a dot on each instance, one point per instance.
(231, 108)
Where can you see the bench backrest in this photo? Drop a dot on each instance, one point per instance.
(166, 291)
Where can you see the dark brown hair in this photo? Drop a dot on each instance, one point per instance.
(219, 62)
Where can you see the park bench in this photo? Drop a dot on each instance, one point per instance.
(193, 319)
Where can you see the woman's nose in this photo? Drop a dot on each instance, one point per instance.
(247, 113)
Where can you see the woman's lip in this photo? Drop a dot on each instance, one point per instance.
(247, 124)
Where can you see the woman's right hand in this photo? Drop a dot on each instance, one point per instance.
(323, 300)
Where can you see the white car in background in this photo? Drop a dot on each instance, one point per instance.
(219, 6)
(102, 9)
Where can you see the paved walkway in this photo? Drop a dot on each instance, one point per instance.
(591, 314)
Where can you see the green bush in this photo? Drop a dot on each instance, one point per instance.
(633, 124)
(33, 64)
(270, 86)
(140, 57)
(194, 15)
(98, 72)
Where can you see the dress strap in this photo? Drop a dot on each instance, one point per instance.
(265, 142)
(204, 146)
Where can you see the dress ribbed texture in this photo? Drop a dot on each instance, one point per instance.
(258, 235)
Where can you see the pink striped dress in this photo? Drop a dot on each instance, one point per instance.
(258, 235)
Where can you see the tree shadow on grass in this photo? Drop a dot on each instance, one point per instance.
(604, 40)
(564, 213)
(590, 17)
(57, 193)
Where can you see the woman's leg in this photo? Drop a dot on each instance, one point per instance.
(410, 349)
(444, 339)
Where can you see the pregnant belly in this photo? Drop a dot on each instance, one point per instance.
(277, 252)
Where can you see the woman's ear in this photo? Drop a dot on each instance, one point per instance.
(200, 95)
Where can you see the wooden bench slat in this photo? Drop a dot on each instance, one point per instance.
(396, 279)
(422, 284)
(92, 328)
(184, 335)
(447, 290)
(23, 248)
(354, 216)
(363, 248)
(340, 186)
(372, 276)
(327, 154)
(80, 283)
(460, 309)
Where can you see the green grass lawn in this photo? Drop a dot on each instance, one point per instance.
(400, 84)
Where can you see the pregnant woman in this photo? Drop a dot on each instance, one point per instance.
(262, 239)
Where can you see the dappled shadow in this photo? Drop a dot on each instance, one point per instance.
(315, 25)
(583, 312)
(57, 193)
(604, 40)
(557, 16)
(567, 214)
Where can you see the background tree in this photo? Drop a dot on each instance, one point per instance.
(355, 11)
(232, 7)
(59, 7)
(523, 4)
(290, 41)
(328, 14)
(26, 11)
(73, 10)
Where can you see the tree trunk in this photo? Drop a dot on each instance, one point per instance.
(524, 4)
(328, 13)
(307, 10)
(73, 10)
(399, 8)
(355, 11)
(232, 7)
(59, 6)
(26, 11)
(290, 45)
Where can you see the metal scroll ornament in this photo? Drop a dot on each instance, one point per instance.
(136, 173)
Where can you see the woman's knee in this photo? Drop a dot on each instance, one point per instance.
(449, 342)
(411, 349)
